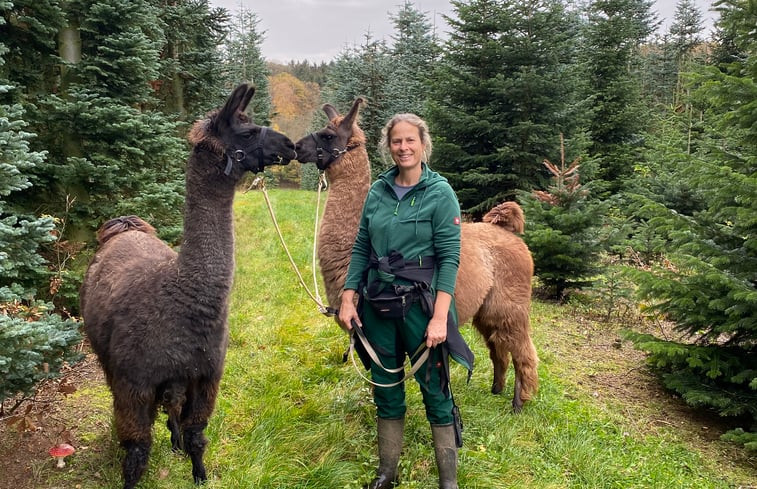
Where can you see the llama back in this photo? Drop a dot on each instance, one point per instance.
(127, 247)
(120, 225)
(495, 264)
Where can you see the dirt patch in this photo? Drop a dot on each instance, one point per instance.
(605, 367)
(42, 421)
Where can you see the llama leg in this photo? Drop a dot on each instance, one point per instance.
(174, 398)
(194, 445)
(517, 395)
(197, 410)
(134, 417)
(500, 361)
(525, 362)
(177, 444)
(135, 461)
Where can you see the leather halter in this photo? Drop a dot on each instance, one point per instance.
(239, 156)
(335, 152)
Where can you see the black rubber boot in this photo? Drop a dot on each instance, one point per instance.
(445, 449)
(390, 433)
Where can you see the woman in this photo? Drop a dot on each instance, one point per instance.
(408, 247)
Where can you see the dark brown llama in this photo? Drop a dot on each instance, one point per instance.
(494, 279)
(157, 319)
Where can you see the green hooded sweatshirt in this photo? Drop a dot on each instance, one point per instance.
(426, 222)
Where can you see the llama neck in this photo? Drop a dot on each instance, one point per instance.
(349, 182)
(206, 258)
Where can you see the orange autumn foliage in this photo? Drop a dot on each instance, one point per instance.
(294, 103)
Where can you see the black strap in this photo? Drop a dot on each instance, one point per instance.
(418, 270)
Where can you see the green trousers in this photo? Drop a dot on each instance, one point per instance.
(393, 341)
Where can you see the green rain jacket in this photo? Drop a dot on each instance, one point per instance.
(426, 222)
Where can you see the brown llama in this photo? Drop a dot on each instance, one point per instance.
(494, 279)
(157, 320)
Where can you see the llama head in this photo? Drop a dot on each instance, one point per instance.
(340, 135)
(229, 132)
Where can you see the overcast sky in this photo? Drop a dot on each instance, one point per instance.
(317, 30)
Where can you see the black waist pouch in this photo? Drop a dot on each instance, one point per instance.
(388, 304)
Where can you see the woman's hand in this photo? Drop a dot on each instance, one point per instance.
(436, 331)
(347, 311)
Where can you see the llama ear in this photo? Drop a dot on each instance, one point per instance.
(237, 102)
(247, 97)
(330, 111)
(349, 119)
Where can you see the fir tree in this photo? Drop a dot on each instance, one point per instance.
(686, 28)
(503, 89)
(414, 52)
(363, 71)
(243, 62)
(707, 283)
(191, 72)
(612, 37)
(562, 230)
(110, 151)
(666, 60)
(392, 79)
(34, 341)
(29, 32)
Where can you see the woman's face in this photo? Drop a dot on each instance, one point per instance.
(405, 145)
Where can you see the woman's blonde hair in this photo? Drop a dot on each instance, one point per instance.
(413, 119)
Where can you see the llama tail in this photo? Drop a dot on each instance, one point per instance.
(508, 215)
(121, 225)
(173, 400)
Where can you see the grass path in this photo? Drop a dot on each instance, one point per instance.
(292, 415)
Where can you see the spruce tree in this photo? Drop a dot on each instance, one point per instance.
(504, 90)
(34, 340)
(707, 284)
(244, 62)
(613, 35)
(363, 71)
(563, 230)
(110, 151)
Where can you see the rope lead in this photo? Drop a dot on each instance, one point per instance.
(259, 182)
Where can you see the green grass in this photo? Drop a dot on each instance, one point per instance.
(292, 415)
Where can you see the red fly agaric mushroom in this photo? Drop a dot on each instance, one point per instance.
(60, 452)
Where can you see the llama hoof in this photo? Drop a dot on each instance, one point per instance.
(497, 389)
(199, 476)
(518, 404)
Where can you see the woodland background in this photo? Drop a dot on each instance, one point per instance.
(632, 151)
